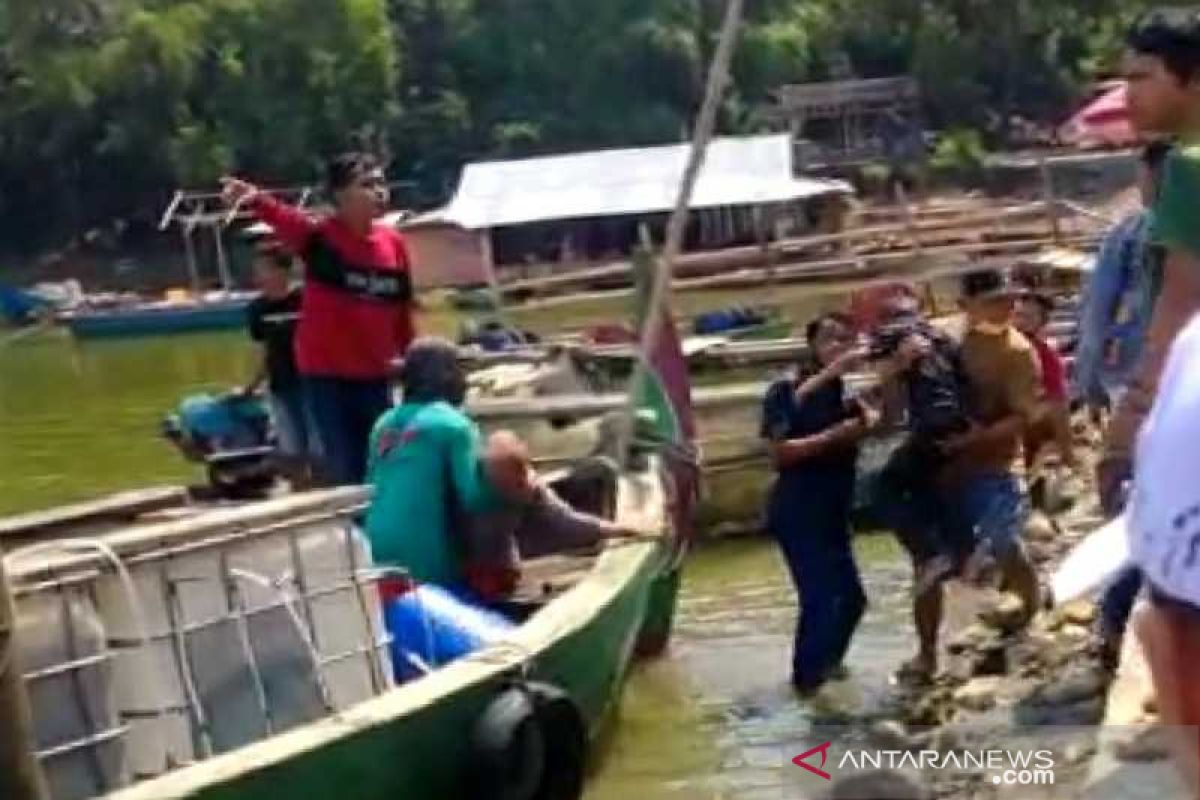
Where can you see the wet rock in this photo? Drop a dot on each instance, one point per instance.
(979, 694)
(1149, 745)
(1073, 688)
(1078, 753)
(1079, 612)
(959, 670)
(1090, 712)
(892, 734)
(970, 638)
(1007, 615)
(990, 659)
(932, 709)
(946, 739)
(1074, 635)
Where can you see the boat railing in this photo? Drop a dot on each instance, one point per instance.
(157, 647)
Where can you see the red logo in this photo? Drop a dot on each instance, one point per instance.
(391, 438)
(823, 749)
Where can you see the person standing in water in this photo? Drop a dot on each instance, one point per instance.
(357, 308)
(812, 429)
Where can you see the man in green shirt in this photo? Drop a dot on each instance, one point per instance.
(424, 464)
(451, 511)
(1163, 74)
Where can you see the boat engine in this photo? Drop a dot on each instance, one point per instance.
(231, 435)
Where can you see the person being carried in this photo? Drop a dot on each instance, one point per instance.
(357, 307)
(437, 488)
(1031, 316)
(926, 364)
(812, 429)
(271, 319)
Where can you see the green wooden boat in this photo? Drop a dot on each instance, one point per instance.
(585, 620)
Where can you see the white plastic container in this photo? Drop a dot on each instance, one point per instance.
(69, 677)
(224, 639)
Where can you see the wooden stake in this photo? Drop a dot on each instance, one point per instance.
(20, 775)
(718, 79)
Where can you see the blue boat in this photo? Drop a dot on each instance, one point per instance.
(19, 307)
(150, 319)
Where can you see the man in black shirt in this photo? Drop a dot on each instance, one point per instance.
(272, 323)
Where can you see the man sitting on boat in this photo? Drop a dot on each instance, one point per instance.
(447, 510)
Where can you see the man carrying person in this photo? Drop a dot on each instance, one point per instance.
(983, 501)
(356, 312)
(272, 318)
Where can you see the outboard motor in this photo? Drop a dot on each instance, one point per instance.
(232, 436)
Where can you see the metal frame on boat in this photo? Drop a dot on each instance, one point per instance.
(584, 630)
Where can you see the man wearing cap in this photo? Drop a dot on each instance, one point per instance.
(1159, 534)
(984, 500)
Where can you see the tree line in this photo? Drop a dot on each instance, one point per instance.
(107, 105)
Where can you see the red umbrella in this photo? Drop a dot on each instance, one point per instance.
(1102, 122)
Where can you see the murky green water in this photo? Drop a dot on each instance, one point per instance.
(79, 420)
(713, 719)
(716, 719)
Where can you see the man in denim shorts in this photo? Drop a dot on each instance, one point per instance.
(984, 503)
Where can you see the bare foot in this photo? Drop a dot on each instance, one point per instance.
(917, 671)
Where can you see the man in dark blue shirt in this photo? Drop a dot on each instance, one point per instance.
(812, 431)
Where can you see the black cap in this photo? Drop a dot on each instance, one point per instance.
(988, 283)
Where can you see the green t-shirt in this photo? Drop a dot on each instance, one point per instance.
(421, 456)
(1175, 221)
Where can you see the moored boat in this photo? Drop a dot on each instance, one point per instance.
(210, 671)
(145, 319)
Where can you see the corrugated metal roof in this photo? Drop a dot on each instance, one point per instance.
(737, 171)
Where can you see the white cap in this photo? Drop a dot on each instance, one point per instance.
(1160, 530)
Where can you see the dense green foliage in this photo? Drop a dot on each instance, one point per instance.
(106, 105)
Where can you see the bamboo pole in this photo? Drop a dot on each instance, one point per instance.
(20, 775)
(718, 78)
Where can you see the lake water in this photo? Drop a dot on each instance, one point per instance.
(712, 719)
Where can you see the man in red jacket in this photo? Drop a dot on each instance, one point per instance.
(356, 314)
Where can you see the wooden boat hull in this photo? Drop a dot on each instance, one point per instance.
(415, 741)
(157, 320)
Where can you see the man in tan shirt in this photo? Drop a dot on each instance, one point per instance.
(985, 507)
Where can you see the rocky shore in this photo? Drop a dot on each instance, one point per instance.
(1003, 685)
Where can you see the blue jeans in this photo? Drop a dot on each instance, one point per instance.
(988, 508)
(1117, 603)
(814, 534)
(343, 413)
(289, 415)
